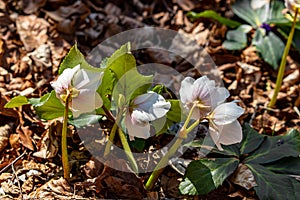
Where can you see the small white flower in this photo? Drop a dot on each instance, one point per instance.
(223, 125)
(82, 85)
(203, 93)
(292, 5)
(144, 109)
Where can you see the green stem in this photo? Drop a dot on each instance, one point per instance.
(64, 148)
(283, 62)
(164, 161)
(110, 139)
(112, 134)
(127, 150)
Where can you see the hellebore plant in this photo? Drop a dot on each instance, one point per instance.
(76, 88)
(204, 101)
(84, 92)
(294, 8)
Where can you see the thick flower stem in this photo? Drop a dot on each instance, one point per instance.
(165, 159)
(127, 150)
(283, 62)
(64, 149)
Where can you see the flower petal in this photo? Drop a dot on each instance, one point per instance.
(215, 135)
(226, 113)
(86, 101)
(135, 130)
(63, 82)
(231, 133)
(151, 105)
(87, 79)
(186, 90)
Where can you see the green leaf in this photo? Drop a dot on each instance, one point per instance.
(106, 87)
(275, 148)
(229, 150)
(211, 173)
(251, 139)
(85, 120)
(288, 165)
(132, 84)
(175, 113)
(48, 106)
(221, 168)
(73, 58)
(272, 185)
(16, 102)
(213, 15)
(237, 39)
(271, 49)
(138, 144)
(203, 181)
(275, 12)
(243, 10)
(186, 187)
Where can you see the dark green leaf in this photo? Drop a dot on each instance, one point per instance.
(237, 39)
(85, 120)
(138, 144)
(213, 15)
(275, 148)
(272, 185)
(211, 173)
(48, 107)
(251, 139)
(16, 102)
(289, 165)
(220, 168)
(200, 176)
(271, 49)
(284, 29)
(73, 58)
(242, 9)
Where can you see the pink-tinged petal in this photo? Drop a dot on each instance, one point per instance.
(226, 113)
(151, 105)
(203, 88)
(136, 130)
(231, 133)
(63, 82)
(86, 101)
(87, 79)
(186, 90)
(215, 135)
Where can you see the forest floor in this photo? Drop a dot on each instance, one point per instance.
(34, 38)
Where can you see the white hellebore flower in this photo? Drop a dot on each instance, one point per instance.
(224, 127)
(292, 5)
(81, 84)
(144, 109)
(203, 93)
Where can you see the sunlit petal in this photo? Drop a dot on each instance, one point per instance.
(87, 79)
(226, 113)
(231, 133)
(186, 90)
(63, 82)
(135, 130)
(86, 101)
(215, 135)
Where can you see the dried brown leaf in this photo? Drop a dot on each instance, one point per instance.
(4, 135)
